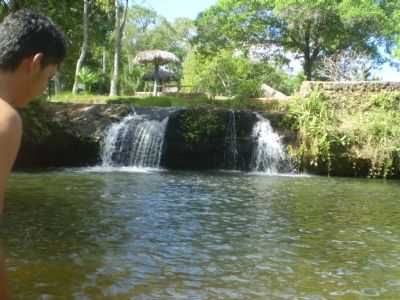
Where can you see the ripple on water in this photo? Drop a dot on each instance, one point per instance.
(100, 169)
(146, 234)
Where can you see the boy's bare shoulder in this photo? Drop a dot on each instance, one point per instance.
(10, 121)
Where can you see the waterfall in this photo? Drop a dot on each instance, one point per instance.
(231, 150)
(269, 154)
(135, 141)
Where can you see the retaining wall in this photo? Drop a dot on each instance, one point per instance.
(352, 89)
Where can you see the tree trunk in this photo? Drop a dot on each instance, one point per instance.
(57, 83)
(104, 61)
(308, 62)
(85, 45)
(156, 72)
(119, 28)
(307, 67)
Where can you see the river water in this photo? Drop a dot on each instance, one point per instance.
(79, 234)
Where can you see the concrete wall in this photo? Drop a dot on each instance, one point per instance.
(350, 88)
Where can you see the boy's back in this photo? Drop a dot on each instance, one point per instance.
(10, 136)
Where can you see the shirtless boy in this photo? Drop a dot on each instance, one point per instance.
(31, 49)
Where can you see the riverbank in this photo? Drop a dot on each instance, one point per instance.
(352, 131)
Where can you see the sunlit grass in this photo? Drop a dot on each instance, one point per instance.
(67, 97)
(173, 101)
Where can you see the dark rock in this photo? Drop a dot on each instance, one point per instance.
(196, 139)
(65, 135)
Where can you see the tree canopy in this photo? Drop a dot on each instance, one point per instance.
(308, 29)
(145, 30)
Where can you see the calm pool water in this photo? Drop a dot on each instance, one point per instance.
(161, 235)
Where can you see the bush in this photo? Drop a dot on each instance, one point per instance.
(317, 124)
(361, 128)
(88, 78)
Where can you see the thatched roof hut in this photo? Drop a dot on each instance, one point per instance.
(157, 57)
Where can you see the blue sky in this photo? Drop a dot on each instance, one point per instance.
(179, 8)
(172, 9)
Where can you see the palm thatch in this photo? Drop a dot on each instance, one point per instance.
(157, 57)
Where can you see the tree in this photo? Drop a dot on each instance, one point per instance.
(120, 21)
(310, 29)
(231, 73)
(146, 30)
(68, 16)
(85, 45)
(346, 66)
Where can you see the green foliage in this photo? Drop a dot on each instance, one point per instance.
(310, 29)
(359, 128)
(36, 121)
(68, 16)
(293, 84)
(231, 74)
(88, 78)
(375, 132)
(201, 125)
(132, 79)
(222, 74)
(147, 30)
(317, 125)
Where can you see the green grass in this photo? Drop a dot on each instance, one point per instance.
(85, 98)
(170, 101)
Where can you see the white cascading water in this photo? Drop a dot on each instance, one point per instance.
(134, 142)
(231, 153)
(269, 155)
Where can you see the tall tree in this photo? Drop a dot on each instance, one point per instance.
(120, 21)
(85, 45)
(310, 29)
(68, 15)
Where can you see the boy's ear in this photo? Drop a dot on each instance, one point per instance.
(36, 62)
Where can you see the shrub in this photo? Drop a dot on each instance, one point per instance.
(364, 127)
(88, 78)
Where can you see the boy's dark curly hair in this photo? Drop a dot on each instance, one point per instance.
(25, 33)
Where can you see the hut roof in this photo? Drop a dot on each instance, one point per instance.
(158, 57)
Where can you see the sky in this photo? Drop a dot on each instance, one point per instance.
(171, 9)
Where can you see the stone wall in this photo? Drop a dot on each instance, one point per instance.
(352, 89)
(70, 135)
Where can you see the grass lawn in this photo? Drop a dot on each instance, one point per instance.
(171, 101)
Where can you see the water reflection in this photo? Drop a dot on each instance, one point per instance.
(201, 236)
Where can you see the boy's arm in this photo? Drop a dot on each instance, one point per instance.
(10, 138)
